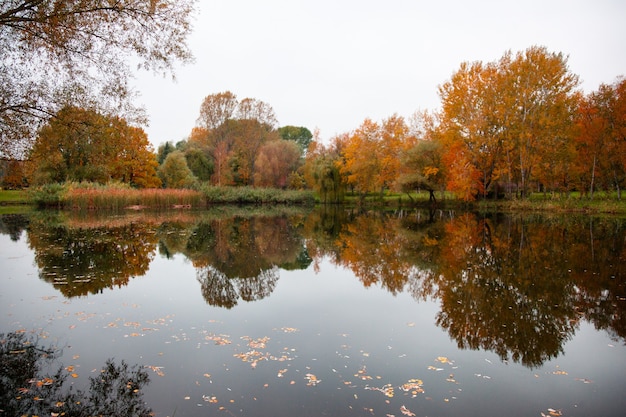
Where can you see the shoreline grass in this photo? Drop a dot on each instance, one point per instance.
(117, 197)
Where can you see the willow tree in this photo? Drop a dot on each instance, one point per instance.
(55, 53)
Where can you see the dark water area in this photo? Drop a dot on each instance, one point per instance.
(312, 313)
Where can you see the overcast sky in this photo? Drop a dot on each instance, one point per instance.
(329, 64)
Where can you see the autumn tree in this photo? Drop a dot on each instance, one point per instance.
(253, 109)
(421, 161)
(84, 145)
(394, 142)
(134, 162)
(371, 157)
(57, 52)
(422, 168)
(507, 119)
(216, 109)
(232, 132)
(360, 164)
(541, 99)
(275, 162)
(469, 124)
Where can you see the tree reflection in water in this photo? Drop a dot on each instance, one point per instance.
(516, 285)
(27, 387)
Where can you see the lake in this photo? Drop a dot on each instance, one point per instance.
(325, 312)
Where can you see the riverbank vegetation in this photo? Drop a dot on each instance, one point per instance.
(511, 134)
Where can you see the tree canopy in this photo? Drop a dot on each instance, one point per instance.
(84, 145)
(55, 53)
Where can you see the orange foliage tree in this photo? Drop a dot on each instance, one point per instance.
(509, 118)
(83, 145)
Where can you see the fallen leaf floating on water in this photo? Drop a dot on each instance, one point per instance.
(288, 329)
(362, 374)
(584, 380)
(312, 380)
(281, 373)
(406, 411)
(256, 343)
(386, 389)
(156, 369)
(432, 368)
(552, 412)
(414, 386)
(219, 340)
(443, 359)
(210, 399)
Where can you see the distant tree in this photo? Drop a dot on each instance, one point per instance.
(57, 52)
(199, 162)
(164, 150)
(12, 174)
(422, 168)
(174, 171)
(275, 162)
(253, 109)
(216, 109)
(301, 135)
(322, 170)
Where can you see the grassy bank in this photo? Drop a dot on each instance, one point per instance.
(601, 203)
(86, 197)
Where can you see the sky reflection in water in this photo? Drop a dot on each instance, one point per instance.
(331, 313)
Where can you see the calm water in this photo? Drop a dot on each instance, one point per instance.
(319, 313)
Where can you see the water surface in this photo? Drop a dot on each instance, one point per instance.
(328, 312)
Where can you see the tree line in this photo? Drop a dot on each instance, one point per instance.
(505, 129)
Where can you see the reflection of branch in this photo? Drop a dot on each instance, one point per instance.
(259, 287)
(115, 391)
(216, 288)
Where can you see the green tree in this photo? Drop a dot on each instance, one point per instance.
(301, 135)
(174, 171)
(164, 150)
(64, 51)
(322, 172)
(199, 162)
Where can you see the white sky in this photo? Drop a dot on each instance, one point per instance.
(329, 64)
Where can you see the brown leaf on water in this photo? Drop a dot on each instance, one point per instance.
(406, 411)
(312, 380)
(156, 369)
